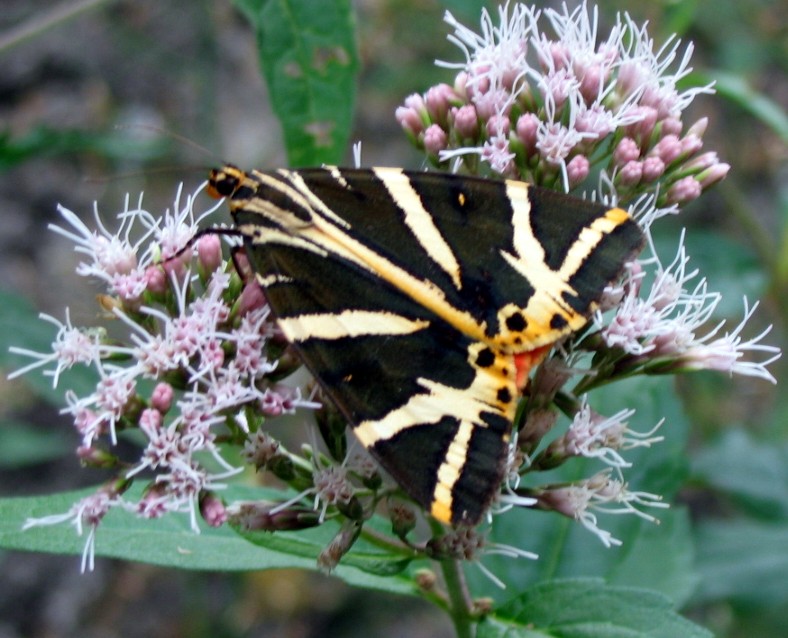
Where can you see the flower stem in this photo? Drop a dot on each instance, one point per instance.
(459, 599)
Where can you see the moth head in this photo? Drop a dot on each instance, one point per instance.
(224, 181)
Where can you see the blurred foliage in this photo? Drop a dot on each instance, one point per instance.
(723, 553)
(44, 141)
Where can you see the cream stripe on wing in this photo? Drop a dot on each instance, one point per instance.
(315, 204)
(465, 404)
(449, 472)
(525, 244)
(276, 236)
(348, 323)
(419, 220)
(529, 256)
(589, 239)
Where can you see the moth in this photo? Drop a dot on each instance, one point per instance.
(421, 300)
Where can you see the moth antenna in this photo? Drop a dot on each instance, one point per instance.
(161, 170)
(172, 135)
(212, 230)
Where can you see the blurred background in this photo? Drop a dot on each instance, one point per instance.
(87, 90)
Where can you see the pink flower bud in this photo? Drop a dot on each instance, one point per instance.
(434, 139)
(212, 510)
(560, 499)
(702, 162)
(150, 422)
(176, 266)
(437, 100)
(683, 191)
(596, 120)
(577, 170)
(96, 457)
(460, 84)
(557, 87)
(667, 149)
(409, 120)
(416, 102)
(690, 144)
(711, 176)
(257, 515)
(699, 127)
(273, 403)
(591, 82)
(466, 122)
(630, 77)
(339, 546)
(653, 169)
(527, 128)
(644, 126)
(412, 115)
(663, 99)
(493, 103)
(631, 173)
(498, 125)
(626, 151)
(671, 126)
(209, 252)
(162, 396)
(649, 121)
(477, 84)
(559, 54)
(509, 76)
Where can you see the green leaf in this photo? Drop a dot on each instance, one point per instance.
(170, 542)
(657, 556)
(20, 326)
(744, 561)
(22, 445)
(309, 60)
(661, 558)
(309, 544)
(754, 474)
(587, 608)
(679, 17)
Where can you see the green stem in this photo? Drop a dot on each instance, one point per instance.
(459, 599)
(460, 605)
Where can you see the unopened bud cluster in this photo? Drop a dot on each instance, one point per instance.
(557, 109)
